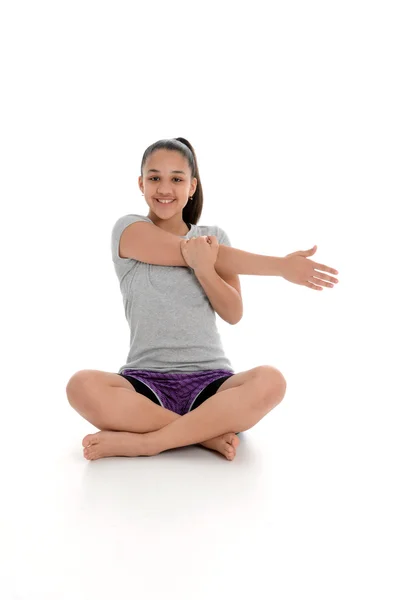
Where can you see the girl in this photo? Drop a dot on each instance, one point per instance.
(177, 386)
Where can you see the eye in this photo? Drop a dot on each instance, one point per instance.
(156, 177)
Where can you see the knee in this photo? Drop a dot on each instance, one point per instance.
(271, 382)
(78, 383)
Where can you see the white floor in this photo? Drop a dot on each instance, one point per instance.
(308, 508)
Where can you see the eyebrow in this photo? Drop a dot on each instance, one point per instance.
(157, 171)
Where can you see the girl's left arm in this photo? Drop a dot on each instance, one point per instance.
(224, 298)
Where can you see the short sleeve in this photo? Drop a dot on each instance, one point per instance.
(222, 237)
(121, 224)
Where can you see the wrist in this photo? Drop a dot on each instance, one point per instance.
(279, 265)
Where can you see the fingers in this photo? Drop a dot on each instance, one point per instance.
(312, 286)
(326, 277)
(322, 282)
(326, 269)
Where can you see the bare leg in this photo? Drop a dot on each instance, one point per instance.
(119, 416)
(236, 409)
(116, 408)
(101, 400)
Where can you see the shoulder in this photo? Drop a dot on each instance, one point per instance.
(126, 220)
(220, 234)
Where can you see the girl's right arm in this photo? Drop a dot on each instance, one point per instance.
(149, 244)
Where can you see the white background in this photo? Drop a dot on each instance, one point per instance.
(293, 111)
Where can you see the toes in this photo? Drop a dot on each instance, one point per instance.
(90, 439)
(86, 441)
(89, 453)
(231, 443)
(233, 439)
(229, 450)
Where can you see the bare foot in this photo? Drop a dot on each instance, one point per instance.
(115, 443)
(226, 444)
(123, 443)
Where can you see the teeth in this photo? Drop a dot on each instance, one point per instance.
(165, 201)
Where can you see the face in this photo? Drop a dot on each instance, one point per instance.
(166, 183)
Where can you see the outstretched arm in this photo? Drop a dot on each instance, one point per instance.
(294, 267)
(147, 243)
(240, 262)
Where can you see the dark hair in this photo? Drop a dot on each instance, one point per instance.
(193, 209)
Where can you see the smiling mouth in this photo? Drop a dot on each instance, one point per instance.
(168, 202)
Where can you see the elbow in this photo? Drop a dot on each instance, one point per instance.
(236, 321)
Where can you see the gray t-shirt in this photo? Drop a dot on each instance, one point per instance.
(172, 323)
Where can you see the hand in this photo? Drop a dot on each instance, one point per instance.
(200, 253)
(297, 269)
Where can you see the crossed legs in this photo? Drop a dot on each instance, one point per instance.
(241, 401)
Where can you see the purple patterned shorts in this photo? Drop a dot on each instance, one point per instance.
(179, 392)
